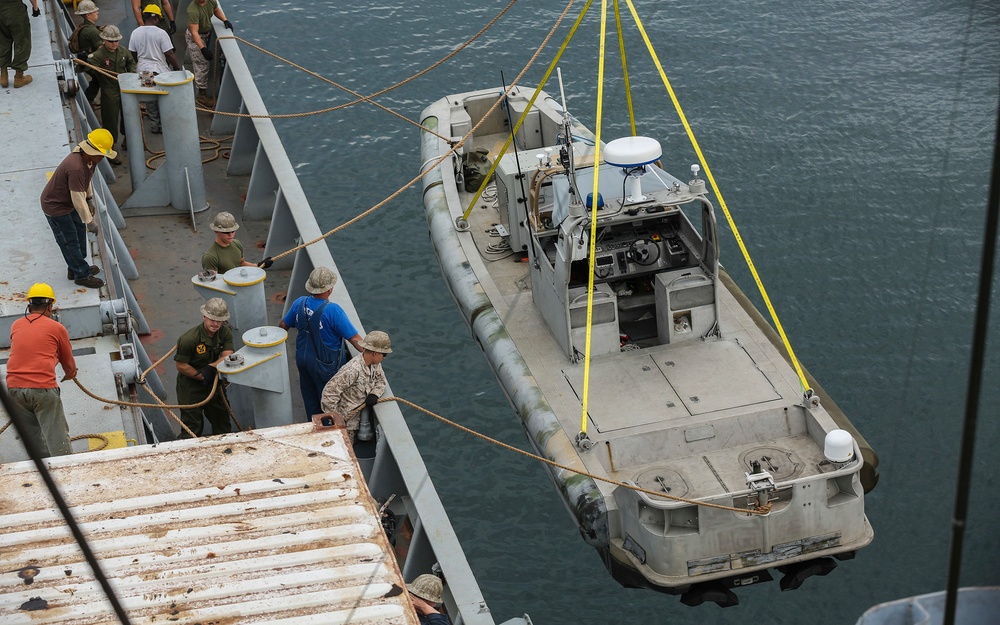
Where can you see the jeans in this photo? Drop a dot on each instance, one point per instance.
(71, 236)
(44, 419)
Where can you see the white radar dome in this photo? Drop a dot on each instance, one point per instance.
(632, 152)
(838, 446)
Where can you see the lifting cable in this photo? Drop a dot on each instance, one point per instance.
(585, 398)
(628, 85)
(722, 202)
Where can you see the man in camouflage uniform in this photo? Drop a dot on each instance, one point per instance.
(15, 40)
(198, 38)
(359, 383)
(199, 351)
(111, 57)
(88, 40)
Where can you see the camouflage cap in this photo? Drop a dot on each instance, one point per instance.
(377, 341)
(224, 222)
(111, 33)
(215, 309)
(428, 587)
(321, 280)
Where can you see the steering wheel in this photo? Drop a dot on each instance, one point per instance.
(644, 251)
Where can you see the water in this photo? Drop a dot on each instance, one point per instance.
(852, 143)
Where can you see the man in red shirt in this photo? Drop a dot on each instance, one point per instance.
(37, 342)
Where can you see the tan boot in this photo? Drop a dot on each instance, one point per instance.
(21, 79)
(4, 79)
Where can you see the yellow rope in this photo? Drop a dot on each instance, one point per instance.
(527, 109)
(759, 510)
(585, 403)
(628, 85)
(142, 376)
(722, 201)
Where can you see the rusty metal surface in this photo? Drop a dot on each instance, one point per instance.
(270, 526)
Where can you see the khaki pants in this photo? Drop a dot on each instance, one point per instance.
(44, 422)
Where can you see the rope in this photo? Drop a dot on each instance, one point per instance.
(756, 510)
(142, 376)
(99, 437)
(170, 412)
(444, 156)
(361, 98)
(232, 415)
(137, 404)
(6, 425)
(628, 84)
(585, 403)
(722, 201)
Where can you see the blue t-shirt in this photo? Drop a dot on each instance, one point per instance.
(334, 326)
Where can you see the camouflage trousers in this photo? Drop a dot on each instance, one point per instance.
(199, 64)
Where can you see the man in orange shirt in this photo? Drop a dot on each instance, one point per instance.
(37, 342)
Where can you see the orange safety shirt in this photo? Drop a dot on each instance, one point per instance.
(37, 342)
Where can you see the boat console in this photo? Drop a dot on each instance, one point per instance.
(654, 268)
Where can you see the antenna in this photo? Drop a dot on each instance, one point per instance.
(562, 91)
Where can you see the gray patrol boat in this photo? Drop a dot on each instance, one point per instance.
(705, 458)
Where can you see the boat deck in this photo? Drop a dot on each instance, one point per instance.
(669, 393)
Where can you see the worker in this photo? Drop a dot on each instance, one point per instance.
(425, 594)
(198, 38)
(226, 252)
(111, 57)
(322, 328)
(65, 200)
(153, 51)
(86, 38)
(37, 343)
(15, 41)
(359, 383)
(199, 352)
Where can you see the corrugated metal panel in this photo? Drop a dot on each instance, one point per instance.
(272, 526)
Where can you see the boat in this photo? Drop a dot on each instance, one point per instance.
(689, 445)
(287, 520)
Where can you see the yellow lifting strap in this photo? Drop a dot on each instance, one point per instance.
(593, 218)
(527, 109)
(628, 85)
(722, 202)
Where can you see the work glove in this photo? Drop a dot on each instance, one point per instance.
(227, 24)
(82, 56)
(36, 12)
(266, 263)
(205, 52)
(371, 400)
(172, 28)
(207, 374)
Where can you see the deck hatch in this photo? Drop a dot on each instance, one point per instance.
(694, 371)
(634, 393)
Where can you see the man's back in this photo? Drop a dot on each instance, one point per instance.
(151, 43)
(37, 343)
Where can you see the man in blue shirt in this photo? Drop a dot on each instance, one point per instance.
(319, 349)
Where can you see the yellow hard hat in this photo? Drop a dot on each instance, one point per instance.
(153, 9)
(99, 143)
(42, 291)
